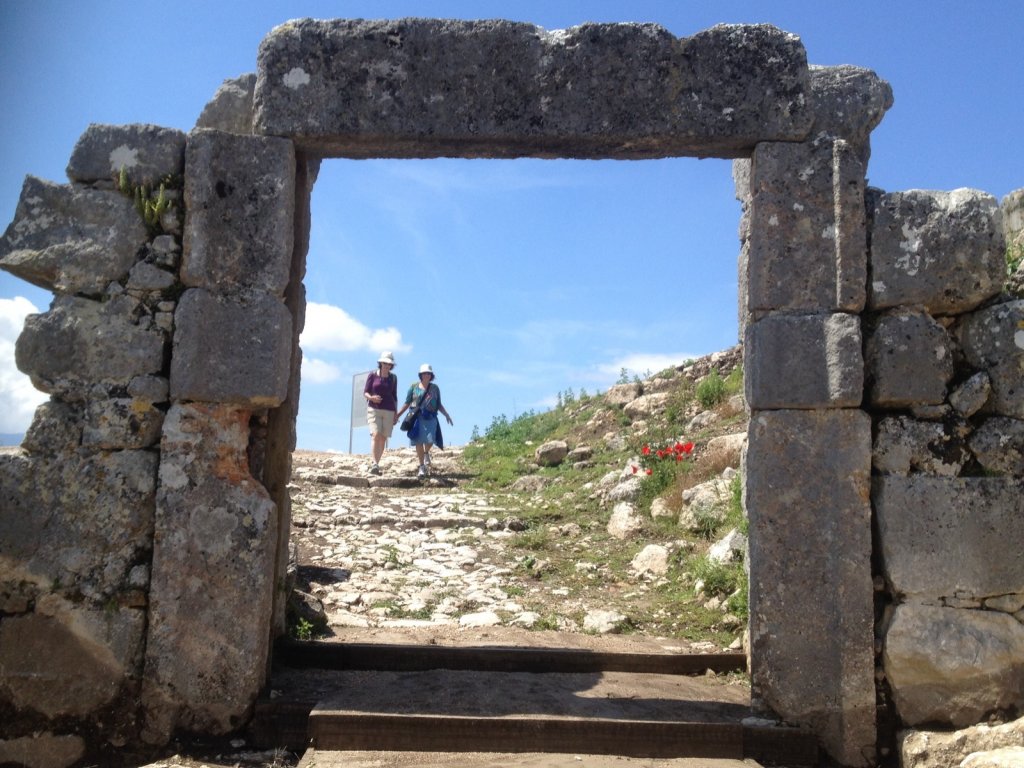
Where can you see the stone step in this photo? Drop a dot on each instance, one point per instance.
(398, 657)
(390, 699)
(315, 758)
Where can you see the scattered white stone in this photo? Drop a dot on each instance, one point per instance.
(624, 522)
(603, 622)
(482, 619)
(652, 559)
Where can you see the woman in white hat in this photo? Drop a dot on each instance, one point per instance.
(425, 397)
(381, 394)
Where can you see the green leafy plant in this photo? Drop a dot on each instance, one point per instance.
(302, 629)
(711, 390)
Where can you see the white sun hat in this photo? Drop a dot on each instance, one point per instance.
(387, 357)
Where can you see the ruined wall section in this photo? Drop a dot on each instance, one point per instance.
(78, 502)
(945, 351)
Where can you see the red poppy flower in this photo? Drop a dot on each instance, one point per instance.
(688, 447)
(634, 469)
(650, 471)
(647, 450)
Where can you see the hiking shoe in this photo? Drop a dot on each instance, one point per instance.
(426, 459)
(423, 471)
(374, 469)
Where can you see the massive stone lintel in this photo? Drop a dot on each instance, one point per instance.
(432, 88)
(811, 599)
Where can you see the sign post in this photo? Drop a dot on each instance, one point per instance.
(357, 416)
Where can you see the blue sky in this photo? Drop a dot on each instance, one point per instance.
(520, 279)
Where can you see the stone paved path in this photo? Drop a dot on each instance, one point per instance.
(393, 559)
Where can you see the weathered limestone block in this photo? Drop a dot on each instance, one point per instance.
(909, 360)
(80, 343)
(67, 659)
(620, 394)
(147, 153)
(998, 445)
(71, 240)
(551, 453)
(849, 103)
(427, 87)
(150, 389)
(43, 750)
(993, 340)
(808, 233)
(231, 350)
(625, 522)
(213, 572)
(804, 361)
(240, 212)
(75, 524)
(938, 749)
(810, 545)
(971, 396)
(647, 405)
(950, 537)
(904, 445)
(952, 666)
(939, 250)
(231, 108)
(148, 277)
(726, 450)
(56, 428)
(121, 422)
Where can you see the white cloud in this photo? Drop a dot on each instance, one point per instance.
(639, 364)
(330, 328)
(316, 371)
(18, 398)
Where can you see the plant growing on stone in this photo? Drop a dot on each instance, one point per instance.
(150, 209)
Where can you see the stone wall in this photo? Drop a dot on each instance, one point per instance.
(143, 532)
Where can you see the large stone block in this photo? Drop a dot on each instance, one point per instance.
(213, 573)
(956, 538)
(939, 250)
(804, 361)
(71, 240)
(231, 108)
(240, 211)
(952, 666)
(428, 88)
(808, 233)
(76, 525)
(67, 659)
(849, 103)
(909, 360)
(81, 343)
(993, 339)
(121, 422)
(231, 350)
(811, 599)
(148, 154)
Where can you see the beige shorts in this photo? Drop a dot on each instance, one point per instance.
(381, 422)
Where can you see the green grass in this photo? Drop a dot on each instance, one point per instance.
(544, 560)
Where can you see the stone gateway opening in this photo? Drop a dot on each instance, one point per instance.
(145, 520)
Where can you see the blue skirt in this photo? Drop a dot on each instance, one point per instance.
(424, 430)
